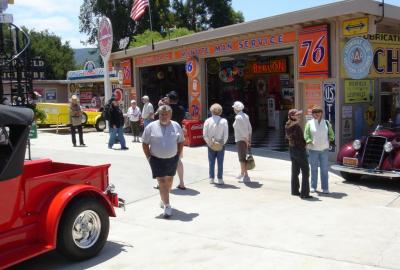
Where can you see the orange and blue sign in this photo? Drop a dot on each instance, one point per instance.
(314, 52)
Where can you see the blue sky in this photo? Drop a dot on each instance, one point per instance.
(61, 16)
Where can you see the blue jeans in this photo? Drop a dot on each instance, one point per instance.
(319, 158)
(116, 133)
(219, 155)
(147, 121)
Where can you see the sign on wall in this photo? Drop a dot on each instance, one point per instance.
(51, 95)
(355, 27)
(312, 97)
(126, 66)
(357, 58)
(347, 130)
(358, 91)
(314, 52)
(272, 66)
(329, 94)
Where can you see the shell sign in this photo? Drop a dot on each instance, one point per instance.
(105, 37)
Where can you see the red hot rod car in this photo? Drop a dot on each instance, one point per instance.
(377, 154)
(46, 205)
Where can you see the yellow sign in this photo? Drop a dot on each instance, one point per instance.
(355, 27)
(358, 91)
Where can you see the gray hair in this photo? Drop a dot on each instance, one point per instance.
(216, 109)
(164, 108)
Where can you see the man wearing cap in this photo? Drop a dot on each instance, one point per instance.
(116, 125)
(147, 111)
(318, 134)
(178, 114)
(298, 155)
(75, 116)
(243, 131)
(134, 120)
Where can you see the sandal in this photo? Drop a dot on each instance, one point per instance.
(180, 187)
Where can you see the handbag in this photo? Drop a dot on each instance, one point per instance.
(216, 145)
(250, 163)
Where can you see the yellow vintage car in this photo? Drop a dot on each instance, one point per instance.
(57, 114)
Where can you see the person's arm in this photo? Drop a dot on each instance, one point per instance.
(250, 130)
(181, 140)
(205, 131)
(151, 111)
(180, 149)
(226, 131)
(146, 142)
(146, 150)
(331, 133)
(307, 133)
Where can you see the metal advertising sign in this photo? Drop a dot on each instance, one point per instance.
(358, 91)
(355, 27)
(329, 92)
(357, 58)
(314, 52)
(312, 97)
(105, 37)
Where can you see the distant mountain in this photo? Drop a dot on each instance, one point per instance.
(86, 54)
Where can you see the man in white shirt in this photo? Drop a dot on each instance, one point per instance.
(148, 111)
(134, 120)
(163, 144)
(243, 131)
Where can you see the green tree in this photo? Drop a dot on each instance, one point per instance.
(148, 36)
(222, 14)
(58, 56)
(118, 11)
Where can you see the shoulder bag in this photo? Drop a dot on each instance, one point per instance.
(216, 145)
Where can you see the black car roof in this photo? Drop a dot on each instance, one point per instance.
(15, 115)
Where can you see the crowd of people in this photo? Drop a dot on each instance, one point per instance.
(162, 142)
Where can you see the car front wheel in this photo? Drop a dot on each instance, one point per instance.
(350, 177)
(83, 229)
(100, 124)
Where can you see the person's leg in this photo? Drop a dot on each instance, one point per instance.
(313, 160)
(179, 170)
(220, 162)
(121, 137)
(323, 161)
(111, 140)
(73, 135)
(132, 125)
(164, 189)
(80, 132)
(136, 130)
(295, 173)
(305, 173)
(211, 163)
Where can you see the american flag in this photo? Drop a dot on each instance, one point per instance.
(138, 8)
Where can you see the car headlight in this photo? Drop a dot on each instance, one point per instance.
(388, 147)
(357, 144)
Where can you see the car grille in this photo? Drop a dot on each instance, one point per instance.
(373, 152)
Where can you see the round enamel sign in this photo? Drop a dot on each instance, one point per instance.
(105, 37)
(358, 57)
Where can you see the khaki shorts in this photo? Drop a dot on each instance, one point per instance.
(242, 150)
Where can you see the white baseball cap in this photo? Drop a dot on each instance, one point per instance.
(238, 106)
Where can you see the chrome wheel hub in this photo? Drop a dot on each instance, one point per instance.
(86, 229)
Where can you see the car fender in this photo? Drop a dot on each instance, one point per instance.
(58, 204)
(97, 118)
(346, 150)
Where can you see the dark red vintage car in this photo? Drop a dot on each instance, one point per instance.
(377, 154)
(46, 205)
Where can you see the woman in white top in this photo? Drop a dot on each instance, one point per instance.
(243, 130)
(134, 115)
(215, 133)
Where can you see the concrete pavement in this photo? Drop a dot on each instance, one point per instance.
(235, 226)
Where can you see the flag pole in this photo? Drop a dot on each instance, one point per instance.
(151, 26)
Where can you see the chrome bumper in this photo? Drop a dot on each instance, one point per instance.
(388, 174)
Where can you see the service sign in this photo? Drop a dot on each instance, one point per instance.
(126, 66)
(314, 52)
(355, 27)
(105, 37)
(358, 91)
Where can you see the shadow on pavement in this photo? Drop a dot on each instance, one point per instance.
(376, 183)
(54, 260)
(334, 195)
(226, 186)
(186, 192)
(180, 215)
(311, 199)
(253, 184)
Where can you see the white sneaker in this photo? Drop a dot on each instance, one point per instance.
(240, 176)
(313, 190)
(220, 182)
(246, 179)
(167, 211)
(161, 205)
(211, 180)
(326, 191)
